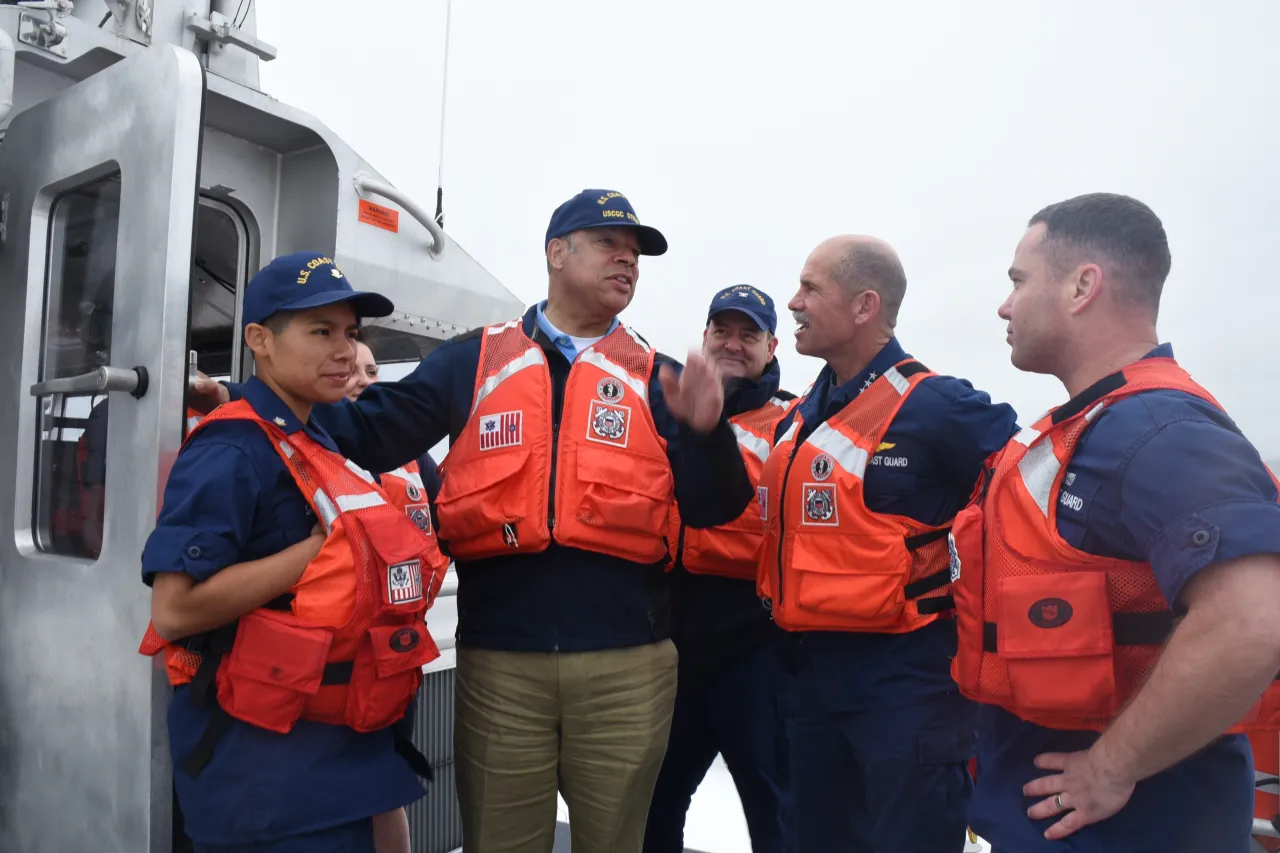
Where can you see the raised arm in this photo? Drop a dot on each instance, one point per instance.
(711, 482)
(397, 422)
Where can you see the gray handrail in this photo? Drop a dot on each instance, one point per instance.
(367, 185)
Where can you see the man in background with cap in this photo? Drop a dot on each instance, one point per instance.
(569, 436)
(729, 697)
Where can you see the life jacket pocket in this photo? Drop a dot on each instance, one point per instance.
(475, 496)
(1055, 635)
(386, 674)
(623, 492)
(272, 670)
(842, 577)
(967, 566)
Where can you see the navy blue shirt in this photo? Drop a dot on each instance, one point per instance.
(1151, 470)
(230, 499)
(562, 599)
(430, 477)
(926, 467)
(719, 618)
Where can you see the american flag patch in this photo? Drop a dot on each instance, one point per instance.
(501, 430)
(404, 582)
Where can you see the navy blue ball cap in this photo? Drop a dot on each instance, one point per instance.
(603, 209)
(746, 299)
(306, 280)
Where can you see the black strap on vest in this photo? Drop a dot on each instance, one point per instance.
(1128, 629)
(929, 583)
(911, 368)
(1087, 397)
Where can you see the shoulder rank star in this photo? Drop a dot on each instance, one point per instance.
(871, 377)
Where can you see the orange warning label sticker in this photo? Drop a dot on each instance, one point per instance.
(379, 216)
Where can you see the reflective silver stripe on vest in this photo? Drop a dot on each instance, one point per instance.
(1027, 436)
(1039, 468)
(359, 472)
(899, 382)
(192, 421)
(591, 356)
(751, 442)
(531, 357)
(287, 448)
(781, 404)
(330, 508)
(413, 478)
(328, 512)
(847, 455)
(791, 432)
(347, 503)
(499, 329)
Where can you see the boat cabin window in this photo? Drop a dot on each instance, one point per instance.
(218, 275)
(76, 338)
(72, 468)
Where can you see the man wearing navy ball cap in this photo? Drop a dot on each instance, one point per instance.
(730, 690)
(568, 438)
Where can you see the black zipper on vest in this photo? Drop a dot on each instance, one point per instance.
(782, 504)
(557, 410)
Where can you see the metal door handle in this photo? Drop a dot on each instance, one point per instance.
(100, 381)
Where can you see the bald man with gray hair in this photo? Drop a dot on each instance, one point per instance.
(858, 495)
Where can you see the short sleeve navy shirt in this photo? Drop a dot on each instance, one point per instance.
(230, 499)
(926, 467)
(1164, 477)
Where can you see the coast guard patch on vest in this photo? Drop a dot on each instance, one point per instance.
(420, 515)
(820, 505)
(404, 582)
(610, 423)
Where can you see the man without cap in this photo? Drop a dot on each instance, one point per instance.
(569, 436)
(729, 697)
(858, 492)
(1135, 506)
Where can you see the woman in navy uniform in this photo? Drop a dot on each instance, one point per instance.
(235, 533)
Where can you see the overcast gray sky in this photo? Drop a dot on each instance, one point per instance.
(749, 131)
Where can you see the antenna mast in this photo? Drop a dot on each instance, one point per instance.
(444, 96)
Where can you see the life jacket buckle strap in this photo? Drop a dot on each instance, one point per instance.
(928, 583)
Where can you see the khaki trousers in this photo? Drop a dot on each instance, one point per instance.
(591, 725)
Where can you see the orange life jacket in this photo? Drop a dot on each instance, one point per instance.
(1059, 637)
(733, 550)
(404, 487)
(347, 645)
(828, 562)
(610, 490)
